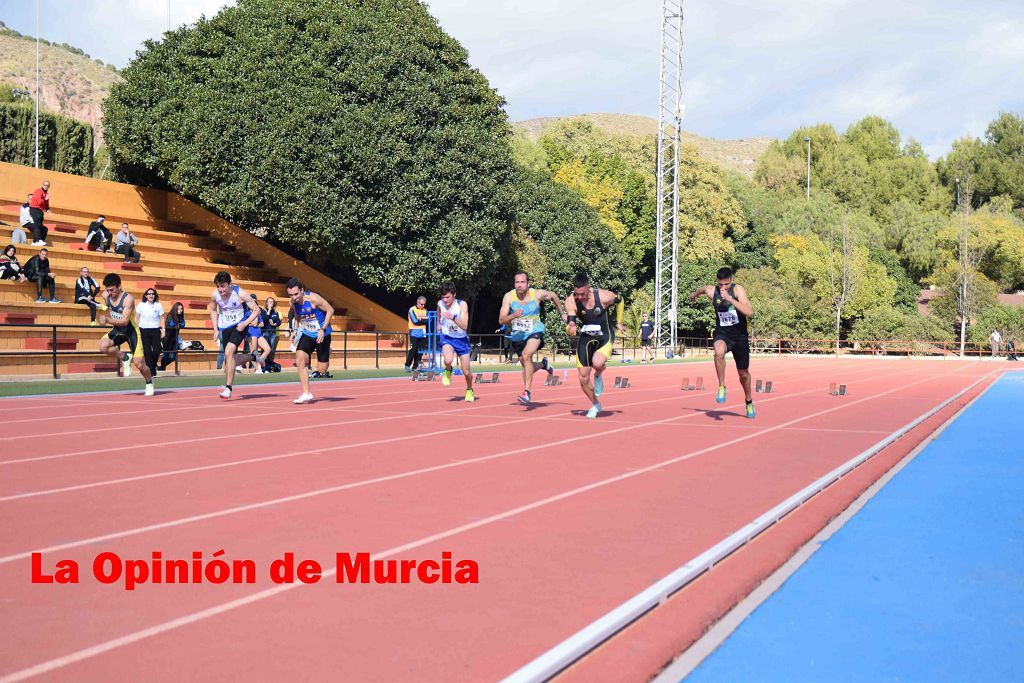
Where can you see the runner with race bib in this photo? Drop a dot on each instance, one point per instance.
(589, 307)
(313, 317)
(232, 311)
(520, 311)
(453, 324)
(732, 310)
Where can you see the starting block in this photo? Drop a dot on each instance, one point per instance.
(765, 387)
(699, 386)
(552, 381)
(622, 383)
(423, 376)
(494, 378)
(837, 389)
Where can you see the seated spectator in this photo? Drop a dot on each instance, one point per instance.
(174, 325)
(86, 290)
(10, 269)
(38, 270)
(19, 236)
(124, 244)
(98, 238)
(1011, 350)
(38, 205)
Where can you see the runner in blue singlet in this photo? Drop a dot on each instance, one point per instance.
(313, 317)
(520, 310)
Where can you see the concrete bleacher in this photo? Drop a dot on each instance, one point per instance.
(182, 246)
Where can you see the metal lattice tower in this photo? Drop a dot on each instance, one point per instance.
(670, 120)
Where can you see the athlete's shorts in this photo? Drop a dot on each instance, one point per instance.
(587, 346)
(740, 349)
(308, 344)
(231, 335)
(646, 342)
(519, 344)
(254, 331)
(125, 335)
(459, 344)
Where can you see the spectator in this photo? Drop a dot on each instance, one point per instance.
(86, 290)
(505, 343)
(1011, 350)
(149, 315)
(174, 324)
(646, 345)
(10, 269)
(417, 321)
(98, 237)
(25, 221)
(994, 339)
(38, 270)
(271, 324)
(38, 205)
(124, 244)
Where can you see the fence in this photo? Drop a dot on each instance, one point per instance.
(376, 349)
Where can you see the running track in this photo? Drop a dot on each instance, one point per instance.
(567, 517)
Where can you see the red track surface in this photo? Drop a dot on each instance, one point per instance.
(567, 517)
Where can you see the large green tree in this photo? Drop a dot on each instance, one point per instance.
(352, 130)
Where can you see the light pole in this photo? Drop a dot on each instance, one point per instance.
(808, 141)
(957, 194)
(37, 83)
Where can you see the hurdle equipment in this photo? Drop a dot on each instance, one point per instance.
(480, 378)
(765, 387)
(622, 383)
(698, 386)
(836, 389)
(552, 381)
(418, 376)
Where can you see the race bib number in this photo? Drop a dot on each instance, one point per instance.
(728, 318)
(592, 330)
(449, 327)
(232, 317)
(522, 325)
(311, 325)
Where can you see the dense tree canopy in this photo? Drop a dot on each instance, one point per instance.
(350, 131)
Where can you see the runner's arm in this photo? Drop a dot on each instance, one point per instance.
(742, 303)
(551, 296)
(504, 317)
(254, 316)
(706, 290)
(213, 319)
(462, 319)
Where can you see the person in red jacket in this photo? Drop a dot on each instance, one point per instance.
(39, 204)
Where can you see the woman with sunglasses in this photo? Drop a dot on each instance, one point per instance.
(149, 315)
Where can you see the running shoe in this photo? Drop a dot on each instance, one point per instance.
(720, 398)
(257, 359)
(524, 398)
(469, 396)
(446, 378)
(751, 413)
(126, 364)
(594, 410)
(598, 385)
(546, 367)
(150, 391)
(226, 393)
(303, 398)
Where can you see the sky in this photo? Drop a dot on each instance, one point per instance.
(937, 70)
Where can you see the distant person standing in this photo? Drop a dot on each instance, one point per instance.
(646, 339)
(149, 318)
(416, 318)
(994, 340)
(173, 325)
(124, 244)
(271, 324)
(18, 235)
(38, 206)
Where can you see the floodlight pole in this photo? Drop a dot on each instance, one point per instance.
(808, 141)
(37, 84)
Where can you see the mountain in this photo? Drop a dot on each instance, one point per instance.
(739, 155)
(70, 82)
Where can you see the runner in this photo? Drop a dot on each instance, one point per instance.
(589, 306)
(646, 341)
(520, 309)
(453, 323)
(121, 308)
(313, 317)
(732, 310)
(228, 305)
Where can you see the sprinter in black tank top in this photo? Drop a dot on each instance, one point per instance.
(118, 312)
(732, 310)
(587, 314)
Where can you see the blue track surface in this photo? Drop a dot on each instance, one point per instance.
(926, 583)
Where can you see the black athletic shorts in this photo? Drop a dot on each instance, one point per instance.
(231, 335)
(587, 346)
(125, 335)
(740, 349)
(518, 346)
(323, 350)
(646, 342)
